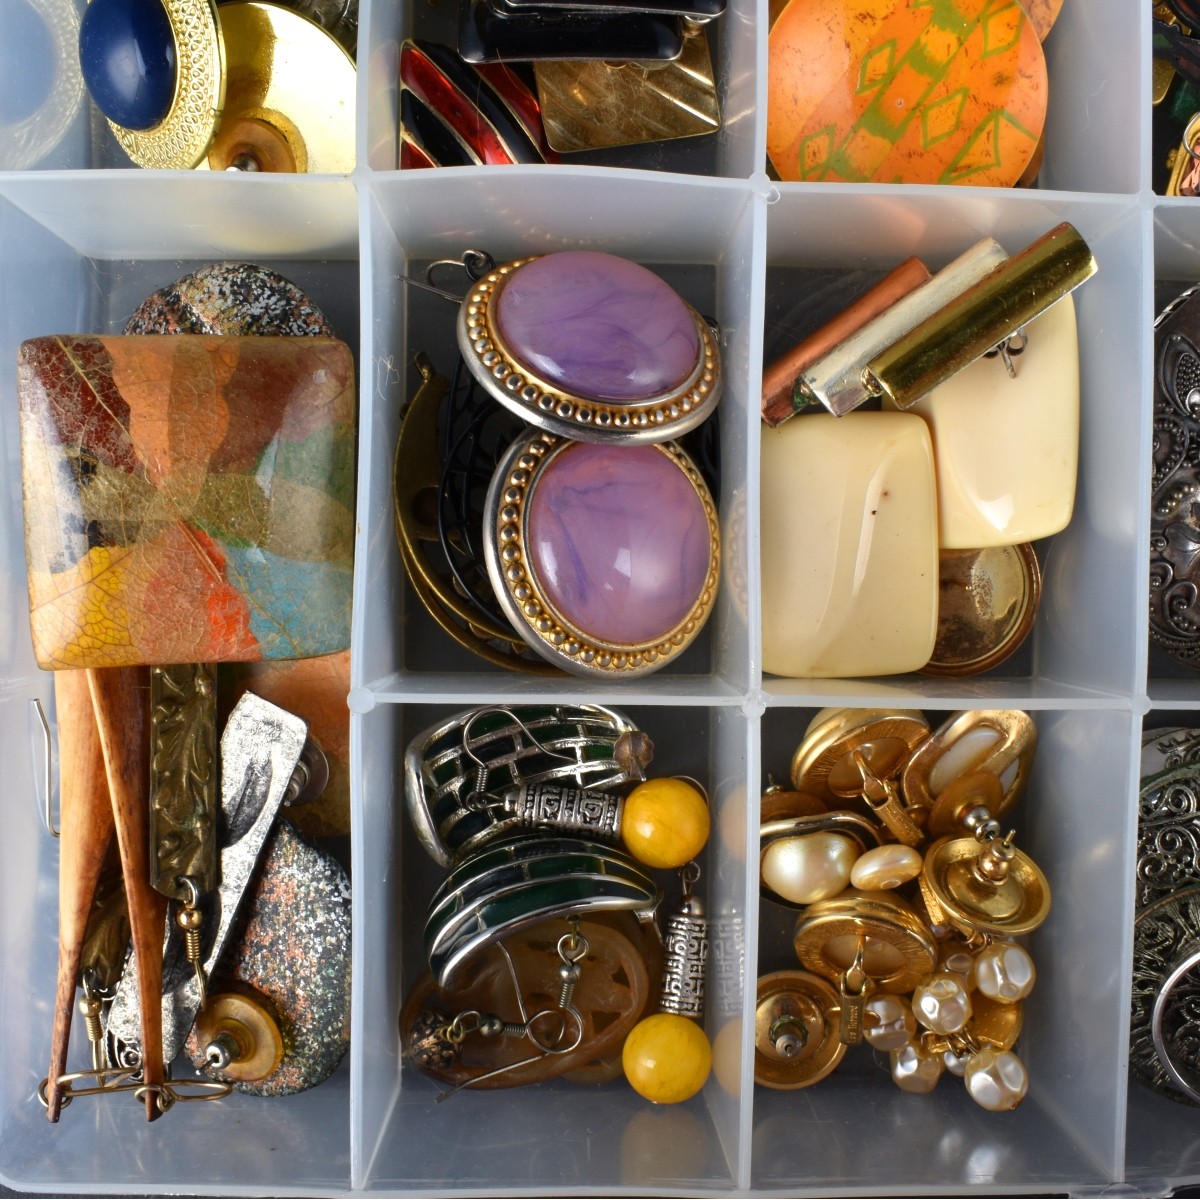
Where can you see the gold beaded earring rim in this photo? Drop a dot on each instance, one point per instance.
(500, 371)
(523, 598)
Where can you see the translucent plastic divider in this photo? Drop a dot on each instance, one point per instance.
(301, 1144)
(380, 905)
(856, 1132)
(164, 214)
(559, 1136)
(48, 119)
(696, 237)
(1092, 582)
(1098, 56)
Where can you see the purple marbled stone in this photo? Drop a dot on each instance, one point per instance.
(619, 541)
(598, 326)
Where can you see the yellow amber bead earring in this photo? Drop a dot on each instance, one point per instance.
(667, 1057)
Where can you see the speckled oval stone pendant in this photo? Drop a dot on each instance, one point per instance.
(591, 346)
(231, 299)
(605, 558)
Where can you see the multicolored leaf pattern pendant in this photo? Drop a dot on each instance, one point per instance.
(187, 499)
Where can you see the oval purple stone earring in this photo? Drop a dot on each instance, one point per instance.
(591, 346)
(606, 558)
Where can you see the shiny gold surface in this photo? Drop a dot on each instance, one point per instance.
(987, 602)
(974, 790)
(1183, 160)
(1162, 73)
(1010, 296)
(954, 877)
(994, 1023)
(182, 138)
(1161, 77)
(866, 833)
(183, 779)
(779, 804)
(962, 746)
(897, 949)
(290, 87)
(795, 1030)
(593, 105)
(824, 765)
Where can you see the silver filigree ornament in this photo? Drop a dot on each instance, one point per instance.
(1166, 935)
(1168, 834)
(1175, 489)
(1164, 1051)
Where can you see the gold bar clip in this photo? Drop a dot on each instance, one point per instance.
(984, 316)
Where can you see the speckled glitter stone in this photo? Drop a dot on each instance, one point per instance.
(235, 299)
(293, 949)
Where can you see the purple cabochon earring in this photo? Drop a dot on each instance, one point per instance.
(590, 346)
(605, 558)
(601, 538)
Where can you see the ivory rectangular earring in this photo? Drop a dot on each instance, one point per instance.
(1006, 450)
(849, 545)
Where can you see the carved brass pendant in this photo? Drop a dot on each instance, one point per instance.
(183, 778)
(594, 105)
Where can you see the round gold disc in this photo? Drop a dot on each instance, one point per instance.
(824, 765)
(987, 602)
(251, 1027)
(1015, 905)
(289, 102)
(181, 139)
(898, 950)
(795, 1030)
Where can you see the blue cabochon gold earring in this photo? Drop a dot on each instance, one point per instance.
(190, 83)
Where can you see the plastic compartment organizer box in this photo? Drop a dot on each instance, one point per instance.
(83, 237)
